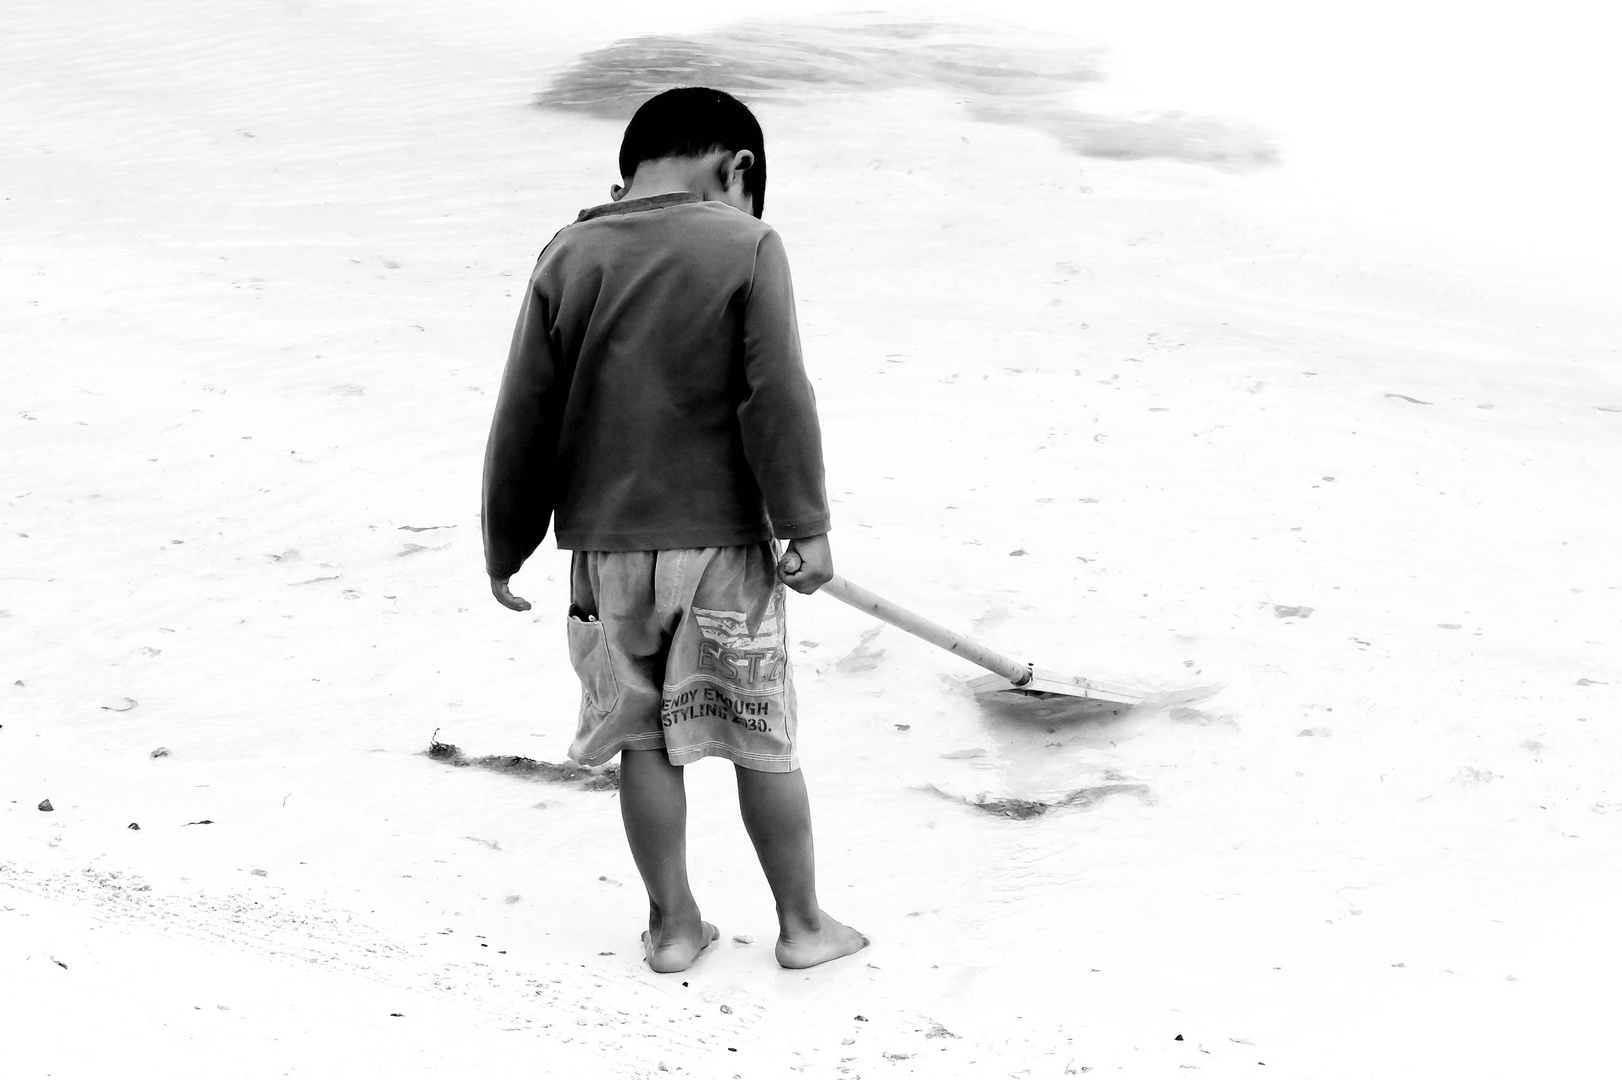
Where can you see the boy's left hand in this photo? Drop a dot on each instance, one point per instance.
(498, 586)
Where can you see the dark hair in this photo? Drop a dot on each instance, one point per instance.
(691, 121)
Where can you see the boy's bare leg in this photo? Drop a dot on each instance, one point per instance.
(653, 805)
(777, 813)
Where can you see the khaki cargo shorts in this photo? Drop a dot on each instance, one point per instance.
(684, 650)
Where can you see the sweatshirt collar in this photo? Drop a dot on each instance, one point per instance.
(631, 206)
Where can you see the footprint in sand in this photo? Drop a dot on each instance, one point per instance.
(995, 616)
(863, 657)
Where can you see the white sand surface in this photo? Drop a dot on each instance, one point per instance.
(1146, 421)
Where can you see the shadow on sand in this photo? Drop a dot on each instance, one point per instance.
(1046, 742)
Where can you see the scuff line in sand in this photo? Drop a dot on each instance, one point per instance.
(529, 993)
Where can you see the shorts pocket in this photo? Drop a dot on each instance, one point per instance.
(588, 652)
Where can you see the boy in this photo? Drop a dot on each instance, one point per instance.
(655, 403)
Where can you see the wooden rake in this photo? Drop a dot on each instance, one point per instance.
(1006, 675)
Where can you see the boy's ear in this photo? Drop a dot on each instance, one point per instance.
(616, 192)
(731, 168)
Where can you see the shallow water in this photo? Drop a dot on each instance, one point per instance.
(996, 74)
(1479, 126)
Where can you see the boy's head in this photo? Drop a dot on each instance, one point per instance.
(694, 122)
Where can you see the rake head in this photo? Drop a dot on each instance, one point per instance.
(1043, 683)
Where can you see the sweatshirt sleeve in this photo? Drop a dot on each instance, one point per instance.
(520, 457)
(782, 440)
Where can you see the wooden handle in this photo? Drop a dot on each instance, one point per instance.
(859, 598)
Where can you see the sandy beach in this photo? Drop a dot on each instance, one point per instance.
(1332, 491)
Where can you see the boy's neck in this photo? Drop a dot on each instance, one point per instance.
(717, 176)
(692, 175)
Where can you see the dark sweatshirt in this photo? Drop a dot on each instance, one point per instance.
(654, 396)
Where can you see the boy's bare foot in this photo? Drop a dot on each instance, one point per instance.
(679, 952)
(809, 946)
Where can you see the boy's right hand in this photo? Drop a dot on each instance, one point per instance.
(498, 586)
(807, 565)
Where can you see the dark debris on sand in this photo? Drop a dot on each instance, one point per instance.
(1025, 809)
(605, 779)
